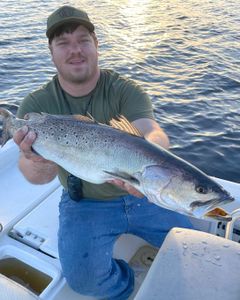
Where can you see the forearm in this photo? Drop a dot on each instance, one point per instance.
(152, 132)
(158, 137)
(37, 172)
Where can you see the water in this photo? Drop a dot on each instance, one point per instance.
(185, 54)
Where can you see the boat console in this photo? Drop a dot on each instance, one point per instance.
(193, 265)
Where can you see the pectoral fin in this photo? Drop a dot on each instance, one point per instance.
(124, 176)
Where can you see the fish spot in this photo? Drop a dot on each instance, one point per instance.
(85, 255)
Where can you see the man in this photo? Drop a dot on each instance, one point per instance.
(90, 222)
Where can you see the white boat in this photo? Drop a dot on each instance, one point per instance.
(190, 265)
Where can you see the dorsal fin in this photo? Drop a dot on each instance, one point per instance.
(123, 124)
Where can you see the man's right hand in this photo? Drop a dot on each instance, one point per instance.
(34, 167)
(24, 139)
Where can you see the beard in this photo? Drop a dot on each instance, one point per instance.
(79, 75)
(76, 78)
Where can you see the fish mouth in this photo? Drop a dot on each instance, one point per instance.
(210, 209)
(218, 214)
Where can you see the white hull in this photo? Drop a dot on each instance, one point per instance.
(28, 239)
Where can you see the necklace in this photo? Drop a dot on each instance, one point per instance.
(89, 103)
(85, 110)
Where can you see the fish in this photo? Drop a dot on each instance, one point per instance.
(99, 153)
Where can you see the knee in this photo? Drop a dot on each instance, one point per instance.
(86, 277)
(80, 281)
(80, 285)
(117, 283)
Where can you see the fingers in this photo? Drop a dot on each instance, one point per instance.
(20, 134)
(127, 187)
(24, 139)
(131, 190)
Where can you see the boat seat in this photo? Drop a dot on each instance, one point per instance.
(193, 265)
(11, 290)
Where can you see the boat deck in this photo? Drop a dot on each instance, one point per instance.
(28, 241)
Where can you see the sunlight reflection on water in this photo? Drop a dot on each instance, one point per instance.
(185, 54)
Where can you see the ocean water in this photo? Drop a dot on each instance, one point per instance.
(185, 54)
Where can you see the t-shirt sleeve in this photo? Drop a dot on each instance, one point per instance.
(135, 103)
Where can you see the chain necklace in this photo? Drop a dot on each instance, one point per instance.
(86, 110)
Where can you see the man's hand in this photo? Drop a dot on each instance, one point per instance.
(34, 167)
(127, 187)
(24, 139)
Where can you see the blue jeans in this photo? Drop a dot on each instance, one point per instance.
(88, 230)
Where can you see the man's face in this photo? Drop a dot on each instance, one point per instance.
(75, 55)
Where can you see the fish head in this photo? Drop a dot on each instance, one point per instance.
(196, 194)
(186, 190)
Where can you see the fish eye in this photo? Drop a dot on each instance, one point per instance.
(201, 190)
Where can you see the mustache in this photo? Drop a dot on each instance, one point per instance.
(75, 56)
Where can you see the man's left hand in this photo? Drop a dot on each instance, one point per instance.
(127, 187)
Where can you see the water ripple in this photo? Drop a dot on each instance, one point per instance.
(185, 54)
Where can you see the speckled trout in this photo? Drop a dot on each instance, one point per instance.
(98, 153)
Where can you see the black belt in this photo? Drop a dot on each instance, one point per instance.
(74, 185)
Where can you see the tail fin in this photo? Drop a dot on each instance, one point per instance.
(5, 115)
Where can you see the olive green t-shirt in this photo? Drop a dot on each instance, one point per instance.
(112, 96)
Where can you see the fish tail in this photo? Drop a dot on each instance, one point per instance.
(5, 115)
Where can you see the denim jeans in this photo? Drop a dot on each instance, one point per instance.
(88, 230)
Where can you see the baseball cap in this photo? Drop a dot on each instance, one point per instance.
(66, 14)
